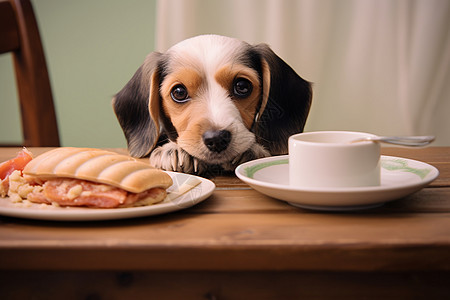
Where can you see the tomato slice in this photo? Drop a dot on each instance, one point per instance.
(17, 163)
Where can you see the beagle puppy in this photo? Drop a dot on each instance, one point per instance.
(211, 103)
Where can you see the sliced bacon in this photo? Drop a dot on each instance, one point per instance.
(17, 163)
(74, 192)
(8, 167)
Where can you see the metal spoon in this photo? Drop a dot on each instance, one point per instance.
(412, 141)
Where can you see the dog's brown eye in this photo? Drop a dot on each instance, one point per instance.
(179, 93)
(242, 88)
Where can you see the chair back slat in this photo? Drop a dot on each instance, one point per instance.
(9, 37)
(39, 123)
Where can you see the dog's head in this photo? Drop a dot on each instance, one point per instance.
(215, 97)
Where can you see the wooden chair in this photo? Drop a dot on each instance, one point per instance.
(19, 34)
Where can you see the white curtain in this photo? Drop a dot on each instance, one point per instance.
(380, 66)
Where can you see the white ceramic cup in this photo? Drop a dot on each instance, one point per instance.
(329, 159)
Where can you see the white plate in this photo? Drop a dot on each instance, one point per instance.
(48, 212)
(399, 178)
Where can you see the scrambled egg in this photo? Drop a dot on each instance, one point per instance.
(19, 188)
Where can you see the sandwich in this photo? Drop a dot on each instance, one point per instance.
(89, 177)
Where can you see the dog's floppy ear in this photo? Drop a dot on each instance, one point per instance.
(285, 104)
(137, 107)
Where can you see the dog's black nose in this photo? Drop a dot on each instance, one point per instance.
(217, 140)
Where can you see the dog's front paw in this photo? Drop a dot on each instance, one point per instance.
(171, 157)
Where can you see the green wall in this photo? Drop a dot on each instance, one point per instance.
(92, 48)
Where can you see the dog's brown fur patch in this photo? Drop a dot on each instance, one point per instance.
(247, 106)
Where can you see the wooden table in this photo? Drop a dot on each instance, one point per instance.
(240, 244)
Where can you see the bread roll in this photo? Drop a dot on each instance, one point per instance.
(99, 166)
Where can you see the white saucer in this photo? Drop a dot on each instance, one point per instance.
(48, 212)
(399, 178)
